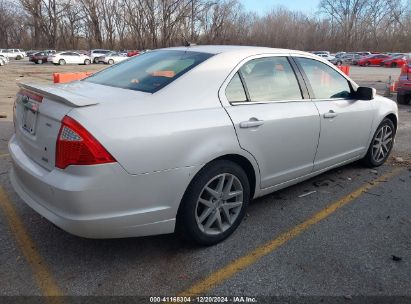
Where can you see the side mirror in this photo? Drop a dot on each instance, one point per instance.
(365, 93)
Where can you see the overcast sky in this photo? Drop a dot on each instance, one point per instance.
(261, 6)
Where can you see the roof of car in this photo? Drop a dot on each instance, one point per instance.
(218, 49)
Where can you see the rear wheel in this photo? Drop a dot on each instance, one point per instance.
(214, 203)
(381, 144)
(393, 65)
(87, 61)
(95, 60)
(367, 63)
(62, 62)
(403, 99)
(18, 57)
(40, 61)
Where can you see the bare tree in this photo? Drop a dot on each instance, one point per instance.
(379, 25)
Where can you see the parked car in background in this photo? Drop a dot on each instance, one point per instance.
(50, 51)
(373, 60)
(321, 52)
(94, 54)
(363, 53)
(31, 52)
(113, 57)
(347, 59)
(126, 152)
(40, 57)
(69, 58)
(133, 53)
(338, 54)
(397, 61)
(404, 84)
(13, 53)
(326, 56)
(4, 59)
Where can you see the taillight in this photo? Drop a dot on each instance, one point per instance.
(76, 146)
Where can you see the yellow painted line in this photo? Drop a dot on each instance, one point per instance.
(4, 155)
(254, 256)
(43, 276)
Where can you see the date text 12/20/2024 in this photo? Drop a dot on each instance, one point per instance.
(203, 299)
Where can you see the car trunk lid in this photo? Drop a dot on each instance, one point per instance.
(39, 110)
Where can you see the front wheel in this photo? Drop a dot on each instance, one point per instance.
(111, 61)
(367, 63)
(62, 62)
(381, 144)
(214, 203)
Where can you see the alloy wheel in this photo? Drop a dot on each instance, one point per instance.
(382, 143)
(219, 204)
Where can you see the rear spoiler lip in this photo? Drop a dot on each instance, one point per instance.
(74, 100)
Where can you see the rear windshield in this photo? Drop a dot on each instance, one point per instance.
(150, 71)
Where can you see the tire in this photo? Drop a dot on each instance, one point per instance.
(95, 60)
(339, 63)
(403, 99)
(367, 64)
(18, 57)
(87, 61)
(200, 207)
(39, 61)
(111, 61)
(379, 152)
(393, 65)
(62, 62)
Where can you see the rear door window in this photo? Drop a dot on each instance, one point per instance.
(270, 79)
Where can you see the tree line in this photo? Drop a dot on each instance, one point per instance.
(376, 25)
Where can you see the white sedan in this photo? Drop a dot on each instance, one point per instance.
(113, 57)
(69, 58)
(4, 60)
(182, 139)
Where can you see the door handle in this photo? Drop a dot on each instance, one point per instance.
(330, 114)
(252, 123)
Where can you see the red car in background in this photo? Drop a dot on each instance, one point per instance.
(397, 61)
(373, 60)
(404, 84)
(133, 53)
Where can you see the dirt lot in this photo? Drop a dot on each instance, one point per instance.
(348, 241)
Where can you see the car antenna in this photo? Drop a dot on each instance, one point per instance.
(187, 43)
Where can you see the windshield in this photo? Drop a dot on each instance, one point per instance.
(149, 72)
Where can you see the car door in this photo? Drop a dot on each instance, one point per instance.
(273, 121)
(76, 58)
(345, 122)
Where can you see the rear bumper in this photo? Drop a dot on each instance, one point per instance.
(100, 201)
